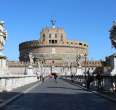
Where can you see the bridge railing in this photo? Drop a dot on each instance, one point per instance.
(8, 83)
(102, 83)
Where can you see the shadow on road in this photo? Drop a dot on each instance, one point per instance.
(61, 101)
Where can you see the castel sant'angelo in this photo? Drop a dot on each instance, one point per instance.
(53, 47)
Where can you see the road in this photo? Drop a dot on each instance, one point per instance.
(60, 96)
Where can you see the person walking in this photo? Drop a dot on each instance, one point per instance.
(99, 80)
(88, 80)
(72, 78)
(55, 77)
(42, 78)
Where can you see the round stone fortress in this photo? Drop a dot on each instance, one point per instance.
(52, 47)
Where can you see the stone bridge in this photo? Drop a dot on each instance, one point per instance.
(54, 94)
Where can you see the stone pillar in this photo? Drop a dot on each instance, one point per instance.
(3, 65)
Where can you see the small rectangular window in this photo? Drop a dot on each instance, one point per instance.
(55, 35)
(49, 35)
(80, 43)
(85, 45)
(61, 37)
(50, 41)
(55, 41)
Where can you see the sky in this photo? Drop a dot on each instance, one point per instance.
(84, 20)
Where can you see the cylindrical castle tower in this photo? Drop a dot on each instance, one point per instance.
(52, 46)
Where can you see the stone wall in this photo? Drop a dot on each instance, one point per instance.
(8, 83)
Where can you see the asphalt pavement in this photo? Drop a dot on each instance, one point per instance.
(60, 95)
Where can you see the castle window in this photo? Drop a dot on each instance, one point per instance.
(55, 41)
(49, 35)
(43, 37)
(50, 41)
(85, 45)
(80, 43)
(61, 37)
(55, 35)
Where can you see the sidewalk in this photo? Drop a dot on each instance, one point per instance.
(106, 94)
(7, 97)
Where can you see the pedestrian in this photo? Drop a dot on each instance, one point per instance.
(37, 75)
(55, 77)
(99, 80)
(42, 78)
(72, 78)
(88, 80)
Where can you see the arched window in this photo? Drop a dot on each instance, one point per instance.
(55, 35)
(49, 35)
(61, 37)
(85, 45)
(43, 37)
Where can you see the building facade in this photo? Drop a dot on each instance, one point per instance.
(53, 47)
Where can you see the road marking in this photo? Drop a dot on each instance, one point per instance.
(29, 89)
(18, 95)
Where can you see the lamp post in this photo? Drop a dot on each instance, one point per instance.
(25, 72)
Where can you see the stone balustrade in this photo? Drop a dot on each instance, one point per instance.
(106, 82)
(10, 82)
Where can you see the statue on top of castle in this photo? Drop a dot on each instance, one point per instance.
(53, 21)
(31, 58)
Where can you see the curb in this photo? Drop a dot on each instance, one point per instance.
(18, 95)
(97, 93)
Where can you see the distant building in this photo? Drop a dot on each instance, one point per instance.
(92, 66)
(53, 47)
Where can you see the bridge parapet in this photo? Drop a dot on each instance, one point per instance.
(8, 83)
